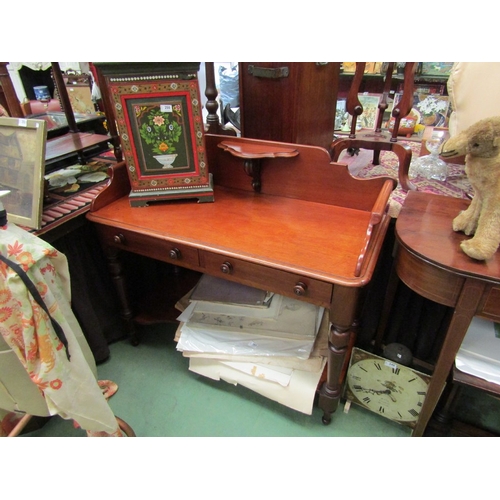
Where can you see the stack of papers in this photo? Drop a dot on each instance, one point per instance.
(271, 344)
(479, 354)
(218, 290)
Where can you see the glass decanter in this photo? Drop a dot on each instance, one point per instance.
(431, 166)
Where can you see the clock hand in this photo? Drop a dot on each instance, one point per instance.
(389, 393)
(373, 391)
(391, 396)
(386, 391)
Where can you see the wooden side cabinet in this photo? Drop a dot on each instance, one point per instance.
(290, 102)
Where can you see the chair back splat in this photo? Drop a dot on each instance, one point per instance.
(378, 139)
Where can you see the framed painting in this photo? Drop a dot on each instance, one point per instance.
(436, 68)
(428, 109)
(22, 168)
(370, 102)
(434, 109)
(340, 114)
(160, 122)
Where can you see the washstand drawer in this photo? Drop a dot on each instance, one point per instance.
(150, 246)
(266, 278)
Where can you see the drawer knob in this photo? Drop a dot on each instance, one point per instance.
(175, 254)
(300, 289)
(226, 268)
(119, 238)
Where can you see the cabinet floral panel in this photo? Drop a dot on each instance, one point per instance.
(161, 131)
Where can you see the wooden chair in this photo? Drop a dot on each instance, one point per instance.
(19, 395)
(380, 140)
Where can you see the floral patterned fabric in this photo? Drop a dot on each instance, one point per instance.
(69, 386)
(457, 185)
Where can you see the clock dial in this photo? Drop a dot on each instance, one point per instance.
(387, 388)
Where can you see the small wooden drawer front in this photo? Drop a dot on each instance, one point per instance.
(266, 278)
(150, 246)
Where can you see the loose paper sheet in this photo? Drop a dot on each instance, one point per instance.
(298, 394)
(213, 340)
(479, 354)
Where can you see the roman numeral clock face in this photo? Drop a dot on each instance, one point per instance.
(392, 390)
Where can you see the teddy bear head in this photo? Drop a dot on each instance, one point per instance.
(482, 139)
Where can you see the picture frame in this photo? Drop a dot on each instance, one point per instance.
(373, 68)
(22, 169)
(340, 114)
(160, 122)
(408, 124)
(429, 109)
(370, 103)
(434, 109)
(436, 68)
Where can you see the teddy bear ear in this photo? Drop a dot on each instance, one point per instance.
(496, 141)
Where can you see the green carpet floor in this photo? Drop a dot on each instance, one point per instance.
(158, 396)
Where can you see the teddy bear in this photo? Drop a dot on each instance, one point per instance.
(480, 143)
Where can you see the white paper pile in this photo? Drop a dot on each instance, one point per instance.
(479, 354)
(277, 349)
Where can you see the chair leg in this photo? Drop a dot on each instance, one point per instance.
(23, 422)
(129, 432)
(20, 426)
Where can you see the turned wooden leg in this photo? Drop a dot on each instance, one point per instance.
(342, 314)
(116, 270)
(331, 390)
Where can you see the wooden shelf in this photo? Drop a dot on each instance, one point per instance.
(252, 151)
(71, 143)
(79, 145)
(252, 154)
(463, 378)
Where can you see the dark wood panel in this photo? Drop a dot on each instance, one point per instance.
(310, 176)
(298, 108)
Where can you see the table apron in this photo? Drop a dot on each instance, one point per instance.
(217, 264)
(427, 279)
